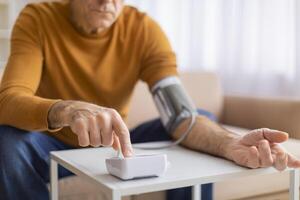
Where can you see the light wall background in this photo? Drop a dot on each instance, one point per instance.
(251, 44)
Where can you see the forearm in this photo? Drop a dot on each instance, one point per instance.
(206, 136)
(21, 109)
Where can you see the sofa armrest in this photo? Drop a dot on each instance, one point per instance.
(250, 112)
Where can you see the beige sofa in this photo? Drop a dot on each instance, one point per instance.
(238, 113)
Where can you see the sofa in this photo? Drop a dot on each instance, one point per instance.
(237, 113)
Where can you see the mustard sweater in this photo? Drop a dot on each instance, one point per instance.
(51, 61)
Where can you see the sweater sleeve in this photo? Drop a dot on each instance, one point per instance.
(158, 58)
(19, 106)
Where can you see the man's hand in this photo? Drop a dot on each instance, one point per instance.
(94, 125)
(260, 148)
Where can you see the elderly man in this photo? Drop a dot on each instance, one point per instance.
(70, 75)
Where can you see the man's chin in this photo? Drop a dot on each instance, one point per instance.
(103, 25)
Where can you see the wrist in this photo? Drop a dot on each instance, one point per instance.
(228, 145)
(57, 116)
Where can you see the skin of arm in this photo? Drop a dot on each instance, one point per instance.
(258, 148)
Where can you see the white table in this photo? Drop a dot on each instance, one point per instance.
(188, 168)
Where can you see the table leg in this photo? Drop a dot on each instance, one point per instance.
(116, 196)
(196, 192)
(294, 184)
(53, 180)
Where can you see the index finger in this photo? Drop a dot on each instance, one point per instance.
(116, 144)
(292, 162)
(122, 132)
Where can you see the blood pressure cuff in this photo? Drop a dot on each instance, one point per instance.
(173, 103)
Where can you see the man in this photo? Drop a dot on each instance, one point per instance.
(71, 72)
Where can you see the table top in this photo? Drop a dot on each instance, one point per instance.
(187, 168)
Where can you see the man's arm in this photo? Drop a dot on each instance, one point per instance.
(259, 148)
(19, 106)
(206, 136)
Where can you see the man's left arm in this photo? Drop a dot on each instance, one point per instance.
(258, 148)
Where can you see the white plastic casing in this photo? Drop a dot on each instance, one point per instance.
(138, 166)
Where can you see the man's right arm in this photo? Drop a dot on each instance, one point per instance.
(19, 106)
